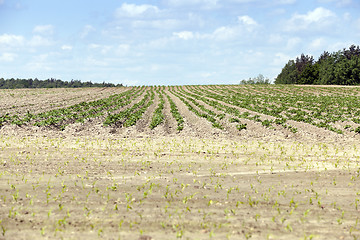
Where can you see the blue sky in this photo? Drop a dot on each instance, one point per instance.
(168, 42)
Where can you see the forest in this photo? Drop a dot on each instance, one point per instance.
(49, 83)
(337, 68)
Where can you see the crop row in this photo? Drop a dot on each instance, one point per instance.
(130, 116)
(269, 105)
(158, 116)
(204, 113)
(321, 111)
(233, 112)
(175, 113)
(59, 118)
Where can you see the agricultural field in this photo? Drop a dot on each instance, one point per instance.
(180, 162)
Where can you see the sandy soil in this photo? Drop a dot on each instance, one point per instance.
(90, 182)
(171, 187)
(19, 101)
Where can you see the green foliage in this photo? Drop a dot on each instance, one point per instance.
(340, 68)
(197, 108)
(130, 116)
(288, 74)
(266, 123)
(241, 126)
(260, 79)
(175, 113)
(309, 75)
(216, 104)
(158, 116)
(357, 130)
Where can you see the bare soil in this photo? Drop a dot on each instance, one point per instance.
(91, 181)
(19, 101)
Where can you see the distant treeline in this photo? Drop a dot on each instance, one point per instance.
(337, 68)
(260, 79)
(49, 83)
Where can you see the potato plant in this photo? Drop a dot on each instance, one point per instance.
(333, 109)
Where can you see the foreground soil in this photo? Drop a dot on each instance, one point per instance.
(176, 187)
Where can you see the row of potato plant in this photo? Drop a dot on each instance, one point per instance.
(204, 113)
(335, 109)
(131, 115)
(175, 113)
(318, 110)
(158, 116)
(61, 117)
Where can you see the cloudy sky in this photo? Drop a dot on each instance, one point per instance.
(168, 42)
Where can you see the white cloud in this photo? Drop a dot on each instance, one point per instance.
(204, 3)
(248, 23)
(44, 29)
(7, 57)
(247, 20)
(186, 35)
(39, 63)
(158, 24)
(133, 10)
(318, 44)
(155, 67)
(336, 46)
(103, 49)
(224, 33)
(87, 29)
(94, 46)
(280, 59)
(318, 18)
(66, 47)
(91, 61)
(39, 41)
(122, 49)
(128, 82)
(207, 74)
(11, 40)
(159, 43)
(275, 38)
(293, 43)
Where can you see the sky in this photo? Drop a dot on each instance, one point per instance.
(168, 42)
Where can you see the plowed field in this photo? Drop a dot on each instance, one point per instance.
(188, 162)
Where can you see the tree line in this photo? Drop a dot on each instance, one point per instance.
(50, 83)
(260, 79)
(337, 68)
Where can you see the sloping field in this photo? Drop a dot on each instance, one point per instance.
(250, 111)
(182, 162)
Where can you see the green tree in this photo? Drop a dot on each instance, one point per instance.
(260, 79)
(288, 74)
(341, 68)
(309, 74)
